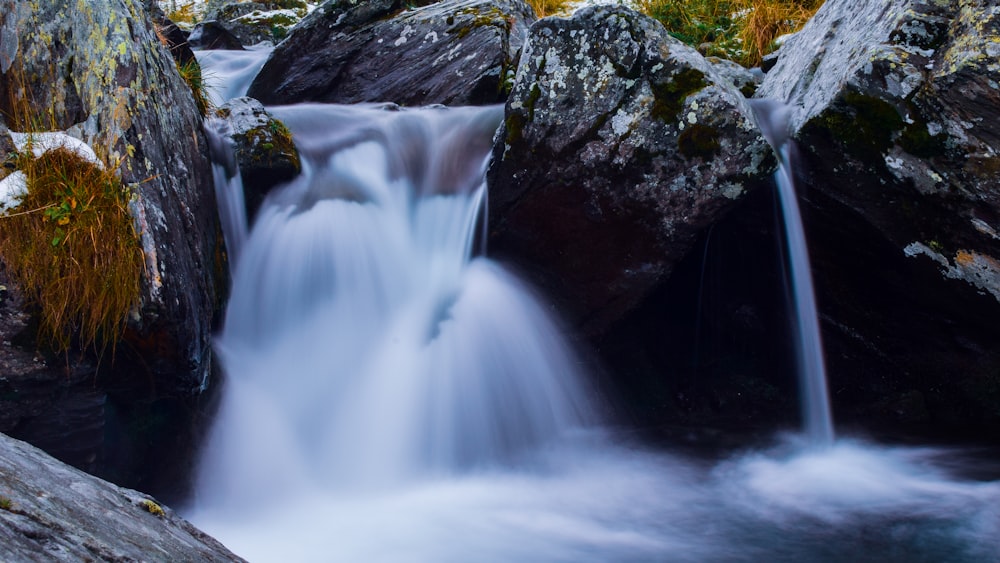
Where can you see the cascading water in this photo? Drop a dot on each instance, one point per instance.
(408, 356)
(772, 118)
(390, 398)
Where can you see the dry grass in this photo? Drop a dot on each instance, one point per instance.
(740, 30)
(191, 74)
(545, 8)
(73, 249)
(71, 244)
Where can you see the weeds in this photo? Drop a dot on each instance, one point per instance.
(740, 30)
(191, 74)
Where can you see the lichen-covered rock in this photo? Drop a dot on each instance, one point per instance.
(265, 152)
(256, 22)
(98, 70)
(896, 110)
(909, 91)
(620, 145)
(455, 52)
(52, 512)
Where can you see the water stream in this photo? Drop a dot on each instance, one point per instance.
(391, 397)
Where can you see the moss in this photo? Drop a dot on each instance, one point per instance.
(698, 141)
(6, 503)
(863, 125)
(668, 98)
(492, 17)
(917, 140)
(515, 127)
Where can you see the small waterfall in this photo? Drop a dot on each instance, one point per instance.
(228, 188)
(228, 74)
(364, 346)
(772, 117)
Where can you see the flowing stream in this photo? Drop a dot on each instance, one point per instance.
(391, 397)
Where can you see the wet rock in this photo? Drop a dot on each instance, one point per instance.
(52, 512)
(456, 52)
(212, 35)
(620, 144)
(99, 71)
(265, 152)
(896, 110)
(908, 91)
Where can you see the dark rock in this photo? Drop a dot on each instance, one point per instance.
(620, 145)
(99, 71)
(455, 52)
(211, 35)
(173, 37)
(52, 512)
(896, 110)
(265, 152)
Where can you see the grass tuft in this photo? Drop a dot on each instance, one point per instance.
(191, 74)
(740, 30)
(72, 246)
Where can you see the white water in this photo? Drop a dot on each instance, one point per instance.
(228, 74)
(818, 422)
(390, 399)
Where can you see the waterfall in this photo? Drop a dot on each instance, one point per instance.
(772, 117)
(363, 344)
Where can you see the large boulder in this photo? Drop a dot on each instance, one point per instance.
(52, 512)
(620, 144)
(99, 71)
(896, 111)
(455, 52)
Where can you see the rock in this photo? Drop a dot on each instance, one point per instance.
(213, 35)
(52, 512)
(265, 152)
(173, 37)
(99, 71)
(896, 111)
(455, 52)
(620, 145)
(257, 22)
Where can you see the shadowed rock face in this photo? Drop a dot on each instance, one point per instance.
(451, 52)
(100, 71)
(620, 145)
(52, 512)
(896, 110)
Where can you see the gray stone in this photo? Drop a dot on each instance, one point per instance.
(265, 152)
(455, 52)
(52, 512)
(620, 145)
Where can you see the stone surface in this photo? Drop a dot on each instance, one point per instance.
(896, 111)
(455, 52)
(52, 512)
(620, 145)
(264, 150)
(99, 71)
(213, 35)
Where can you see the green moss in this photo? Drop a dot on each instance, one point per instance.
(863, 125)
(699, 141)
(6, 503)
(515, 127)
(491, 17)
(668, 98)
(917, 140)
